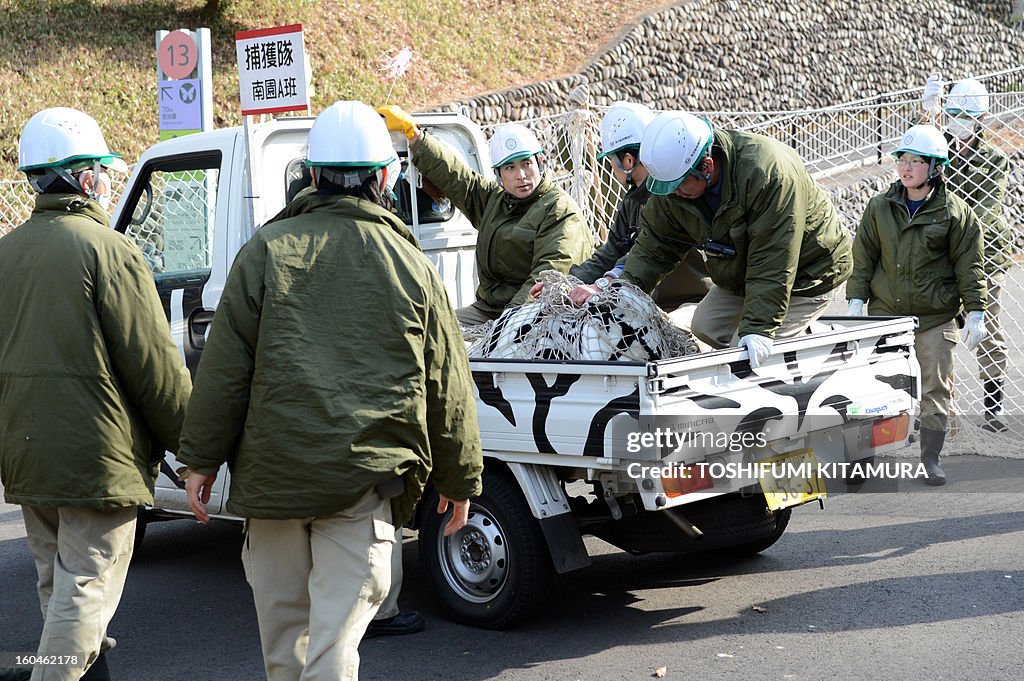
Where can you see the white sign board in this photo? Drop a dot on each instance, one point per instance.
(271, 70)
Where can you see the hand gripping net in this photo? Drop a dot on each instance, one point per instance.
(620, 323)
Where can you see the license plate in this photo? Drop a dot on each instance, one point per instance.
(791, 479)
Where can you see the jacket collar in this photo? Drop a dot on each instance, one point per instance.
(725, 147)
(71, 203)
(638, 192)
(936, 199)
(511, 202)
(351, 206)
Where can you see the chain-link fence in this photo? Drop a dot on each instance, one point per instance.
(17, 199)
(846, 147)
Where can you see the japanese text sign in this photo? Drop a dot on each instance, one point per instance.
(271, 70)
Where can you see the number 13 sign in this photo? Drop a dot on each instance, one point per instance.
(177, 55)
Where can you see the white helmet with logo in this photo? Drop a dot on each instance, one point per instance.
(623, 127)
(673, 145)
(513, 142)
(350, 134)
(967, 97)
(64, 138)
(926, 141)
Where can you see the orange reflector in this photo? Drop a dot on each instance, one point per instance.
(887, 431)
(697, 479)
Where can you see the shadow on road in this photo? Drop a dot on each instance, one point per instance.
(187, 611)
(594, 610)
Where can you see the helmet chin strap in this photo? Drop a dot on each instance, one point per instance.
(93, 191)
(622, 169)
(707, 175)
(71, 179)
(932, 174)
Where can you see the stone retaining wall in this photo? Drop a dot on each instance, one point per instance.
(735, 55)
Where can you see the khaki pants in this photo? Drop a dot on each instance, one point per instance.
(718, 316)
(474, 315)
(317, 583)
(934, 349)
(82, 557)
(389, 608)
(992, 349)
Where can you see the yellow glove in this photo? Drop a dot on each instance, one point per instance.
(397, 119)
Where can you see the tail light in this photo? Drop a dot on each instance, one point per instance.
(888, 431)
(690, 479)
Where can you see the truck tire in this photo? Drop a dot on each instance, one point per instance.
(753, 548)
(732, 522)
(497, 569)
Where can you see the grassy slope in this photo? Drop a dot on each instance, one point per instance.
(99, 56)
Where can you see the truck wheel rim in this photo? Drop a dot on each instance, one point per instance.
(475, 559)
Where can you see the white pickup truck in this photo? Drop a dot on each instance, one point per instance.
(649, 456)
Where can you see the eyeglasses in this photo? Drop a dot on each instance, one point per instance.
(910, 162)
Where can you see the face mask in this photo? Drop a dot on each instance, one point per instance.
(394, 173)
(102, 190)
(961, 128)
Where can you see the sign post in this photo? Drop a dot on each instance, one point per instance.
(184, 82)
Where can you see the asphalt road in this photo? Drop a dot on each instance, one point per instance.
(922, 584)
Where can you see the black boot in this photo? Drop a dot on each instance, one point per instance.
(994, 407)
(931, 447)
(99, 670)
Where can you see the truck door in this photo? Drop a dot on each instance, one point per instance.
(170, 213)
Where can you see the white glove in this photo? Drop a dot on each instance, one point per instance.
(932, 90)
(974, 329)
(758, 348)
(856, 308)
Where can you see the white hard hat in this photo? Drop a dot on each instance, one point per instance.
(512, 142)
(673, 145)
(926, 141)
(967, 97)
(350, 134)
(623, 127)
(60, 138)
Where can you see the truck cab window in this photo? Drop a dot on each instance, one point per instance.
(171, 215)
(429, 209)
(296, 178)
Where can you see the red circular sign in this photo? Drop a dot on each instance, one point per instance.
(177, 55)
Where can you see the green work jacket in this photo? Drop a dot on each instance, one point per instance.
(92, 388)
(927, 266)
(786, 233)
(334, 364)
(517, 238)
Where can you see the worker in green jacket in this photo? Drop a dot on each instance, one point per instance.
(918, 252)
(772, 240)
(622, 128)
(330, 439)
(92, 388)
(525, 224)
(979, 174)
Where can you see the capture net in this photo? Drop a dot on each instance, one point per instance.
(621, 323)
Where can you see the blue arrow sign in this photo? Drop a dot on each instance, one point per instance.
(180, 104)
